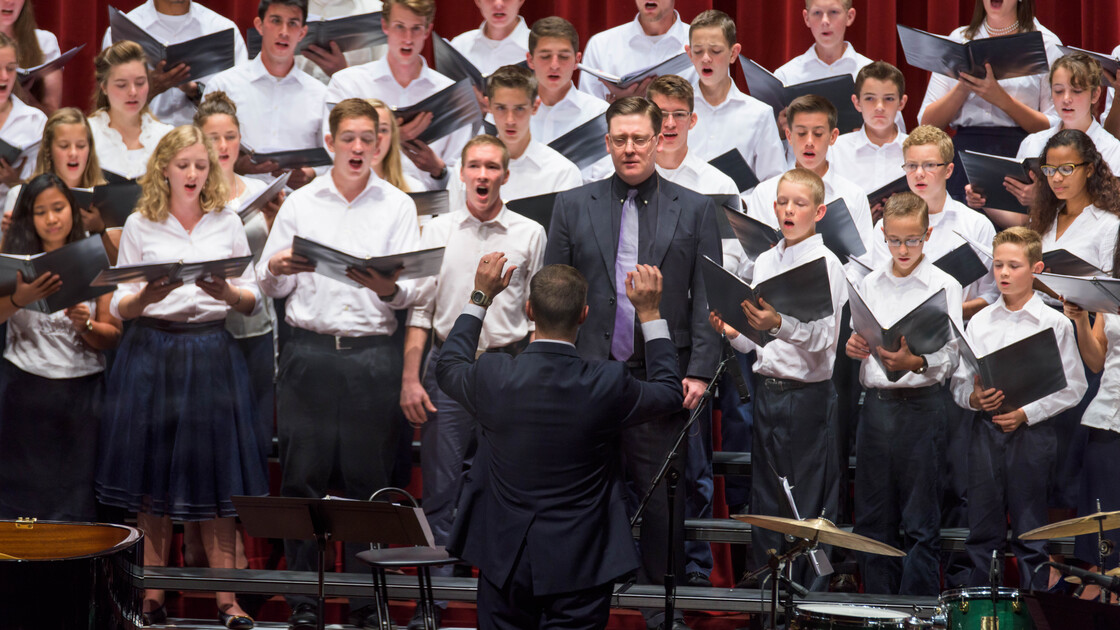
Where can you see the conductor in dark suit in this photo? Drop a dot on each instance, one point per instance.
(603, 229)
(541, 514)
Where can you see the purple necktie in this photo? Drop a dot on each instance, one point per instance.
(622, 342)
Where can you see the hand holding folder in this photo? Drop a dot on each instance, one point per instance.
(27, 76)
(1010, 56)
(925, 327)
(1096, 295)
(174, 271)
(986, 173)
(204, 56)
(351, 32)
(335, 264)
(451, 108)
(1024, 371)
(76, 265)
(769, 89)
(673, 65)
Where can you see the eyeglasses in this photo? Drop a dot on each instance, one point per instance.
(910, 242)
(1065, 169)
(640, 142)
(680, 115)
(928, 167)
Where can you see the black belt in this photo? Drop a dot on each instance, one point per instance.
(512, 349)
(908, 393)
(341, 344)
(182, 328)
(784, 384)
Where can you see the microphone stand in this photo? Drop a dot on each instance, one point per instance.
(669, 473)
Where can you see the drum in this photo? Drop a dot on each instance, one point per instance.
(845, 617)
(971, 609)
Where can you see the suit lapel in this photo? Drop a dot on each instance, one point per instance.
(667, 216)
(601, 222)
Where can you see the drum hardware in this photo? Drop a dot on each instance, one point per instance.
(982, 608)
(1098, 523)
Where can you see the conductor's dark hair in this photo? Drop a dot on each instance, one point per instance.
(262, 8)
(558, 294)
(21, 237)
(632, 105)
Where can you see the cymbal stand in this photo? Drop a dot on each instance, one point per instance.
(775, 566)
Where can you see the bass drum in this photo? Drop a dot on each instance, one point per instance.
(78, 576)
(846, 617)
(972, 609)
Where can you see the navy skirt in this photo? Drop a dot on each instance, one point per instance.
(178, 437)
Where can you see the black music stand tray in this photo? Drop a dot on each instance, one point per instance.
(1061, 612)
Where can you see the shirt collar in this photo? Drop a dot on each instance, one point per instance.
(517, 32)
(620, 189)
(813, 241)
(1032, 308)
(380, 71)
(531, 155)
(636, 31)
(921, 272)
(257, 71)
(373, 187)
(849, 54)
(148, 12)
(864, 142)
(501, 220)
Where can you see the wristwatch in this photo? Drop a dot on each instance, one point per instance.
(925, 365)
(774, 331)
(481, 299)
(89, 325)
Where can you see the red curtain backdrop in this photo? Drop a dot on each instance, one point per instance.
(771, 31)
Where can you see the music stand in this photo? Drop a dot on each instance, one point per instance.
(1050, 611)
(331, 519)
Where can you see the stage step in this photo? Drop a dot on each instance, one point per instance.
(738, 464)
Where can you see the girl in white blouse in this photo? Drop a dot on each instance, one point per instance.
(178, 437)
(36, 47)
(124, 131)
(387, 162)
(20, 124)
(51, 383)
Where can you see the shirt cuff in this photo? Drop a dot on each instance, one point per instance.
(656, 329)
(475, 310)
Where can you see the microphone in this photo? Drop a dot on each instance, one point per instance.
(995, 577)
(736, 374)
(1088, 577)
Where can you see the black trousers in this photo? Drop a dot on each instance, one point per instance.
(338, 417)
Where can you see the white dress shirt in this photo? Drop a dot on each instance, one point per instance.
(740, 122)
(955, 218)
(890, 298)
(801, 351)
(467, 239)
(374, 80)
(1104, 411)
(48, 43)
(539, 171)
(761, 203)
(23, 127)
(1091, 237)
(49, 347)
(380, 221)
(217, 235)
(1033, 91)
(256, 233)
(626, 48)
(172, 106)
(1107, 144)
(996, 327)
(552, 121)
(330, 9)
(697, 175)
(114, 155)
(276, 114)
(1110, 92)
(490, 54)
(856, 158)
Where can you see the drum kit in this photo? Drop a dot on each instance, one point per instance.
(981, 608)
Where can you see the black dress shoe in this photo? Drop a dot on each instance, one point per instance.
(235, 622)
(417, 621)
(154, 616)
(364, 617)
(697, 579)
(304, 617)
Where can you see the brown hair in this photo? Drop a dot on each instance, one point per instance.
(847, 4)
(812, 104)
(351, 108)
(91, 176)
(1023, 236)
(881, 71)
(906, 204)
(672, 86)
(155, 196)
(632, 105)
(391, 170)
(557, 294)
(1025, 16)
(1104, 190)
(555, 27)
(808, 179)
(1084, 71)
(118, 54)
(513, 77)
(215, 103)
(486, 140)
(28, 51)
(928, 134)
(424, 8)
(713, 18)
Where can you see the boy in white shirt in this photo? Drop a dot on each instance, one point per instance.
(657, 33)
(729, 119)
(322, 63)
(795, 404)
(502, 38)
(900, 440)
(534, 168)
(1011, 454)
(830, 55)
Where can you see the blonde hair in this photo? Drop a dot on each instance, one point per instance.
(118, 54)
(928, 134)
(91, 176)
(155, 196)
(906, 204)
(486, 140)
(846, 3)
(808, 179)
(424, 8)
(391, 162)
(1023, 236)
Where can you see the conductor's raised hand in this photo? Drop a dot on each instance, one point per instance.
(984, 399)
(285, 263)
(763, 316)
(492, 276)
(643, 288)
(37, 289)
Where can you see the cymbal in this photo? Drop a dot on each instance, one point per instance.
(1090, 524)
(821, 529)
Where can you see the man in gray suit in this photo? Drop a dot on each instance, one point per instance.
(603, 229)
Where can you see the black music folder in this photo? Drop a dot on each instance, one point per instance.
(12, 154)
(254, 204)
(290, 158)
(926, 328)
(333, 263)
(1019, 55)
(351, 32)
(884, 192)
(1066, 263)
(1097, 295)
(839, 231)
(83, 197)
(673, 65)
(452, 108)
(802, 293)
(204, 55)
(725, 202)
(77, 264)
(174, 271)
(116, 201)
(963, 263)
(431, 202)
(734, 166)
(585, 144)
(452, 64)
(763, 85)
(112, 177)
(27, 76)
(754, 235)
(538, 208)
(1108, 62)
(1024, 371)
(986, 172)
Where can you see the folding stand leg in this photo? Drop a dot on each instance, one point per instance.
(381, 598)
(427, 599)
(322, 546)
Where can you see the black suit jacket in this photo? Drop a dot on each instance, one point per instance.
(583, 234)
(547, 472)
